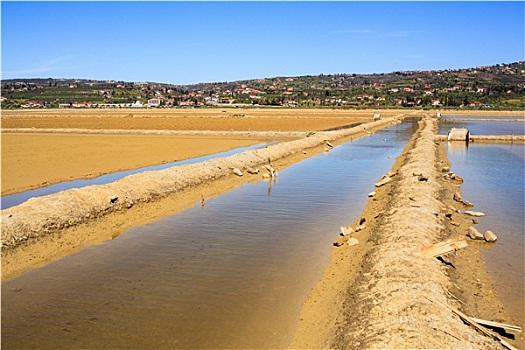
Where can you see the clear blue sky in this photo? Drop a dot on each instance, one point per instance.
(191, 42)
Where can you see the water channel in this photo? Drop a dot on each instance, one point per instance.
(494, 175)
(231, 274)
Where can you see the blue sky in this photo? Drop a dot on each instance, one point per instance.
(191, 42)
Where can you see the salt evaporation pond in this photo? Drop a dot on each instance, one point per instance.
(232, 274)
(477, 125)
(494, 182)
(18, 198)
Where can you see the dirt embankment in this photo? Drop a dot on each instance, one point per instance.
(40, 222)
(382, 292)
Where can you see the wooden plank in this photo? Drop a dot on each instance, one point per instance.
(497, 324)
(442, 248)
(476, 325)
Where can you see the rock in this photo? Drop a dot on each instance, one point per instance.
(329, 144)
(113, 199)
(445, 169)
(490, 236)
(423, 177)
(352, 241)
(391, 173)
(360, 228)
(252, 171)
(371, 194)
(237, 171)
(266, 176)
(383, 182)
(457, 197)
(455, 223)
(304, 152)
(475, 221)
(474, 213)
(474, 234)
(326, 149)
(341, 240)
(346, 230)
(467, 204)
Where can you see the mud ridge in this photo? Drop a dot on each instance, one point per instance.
(395, 302)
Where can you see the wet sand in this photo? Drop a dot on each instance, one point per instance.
(32, 161)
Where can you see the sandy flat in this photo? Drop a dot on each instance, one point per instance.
(34, 160)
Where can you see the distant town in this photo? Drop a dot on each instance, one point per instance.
(500, 86)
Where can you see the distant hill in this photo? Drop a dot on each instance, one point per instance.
(500, 86)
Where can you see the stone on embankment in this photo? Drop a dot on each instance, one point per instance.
(474, 234)
(341, 240)
(346, 230)
(352, 241)
(383, 181)
(474, 213)
(371, 194)
(458, 197)
(237, 171)
(490, 236)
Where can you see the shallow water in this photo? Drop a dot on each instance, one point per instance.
(494, 183)
(231, 274)
(18, 198)
(477, 127)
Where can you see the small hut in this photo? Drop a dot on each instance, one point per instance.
(458, 134)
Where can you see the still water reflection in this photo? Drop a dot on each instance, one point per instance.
(230, 275)
(494, 182)
(483, 127)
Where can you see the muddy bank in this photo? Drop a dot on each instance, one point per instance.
(383, 293)
(41, 221)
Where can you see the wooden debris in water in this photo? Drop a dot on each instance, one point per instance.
(497, 325)
(476, 325)
(448, 246)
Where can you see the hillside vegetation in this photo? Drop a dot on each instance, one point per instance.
(500, 86)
